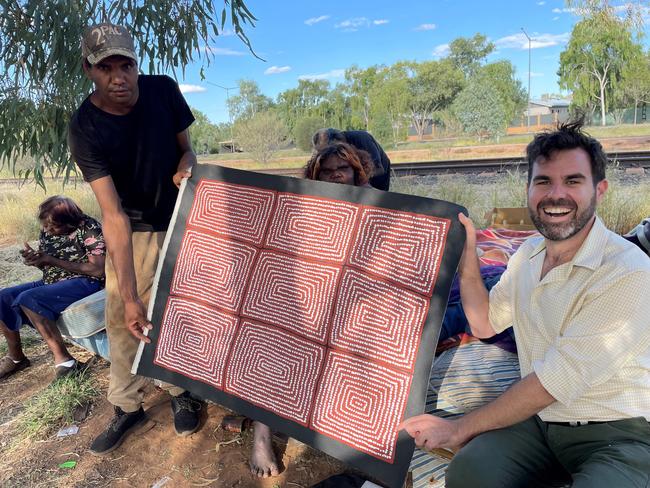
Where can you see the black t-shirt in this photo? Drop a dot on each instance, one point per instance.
(138, 150)
(364, 141)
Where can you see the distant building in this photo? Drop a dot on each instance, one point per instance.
(549, 107)
(542, 114)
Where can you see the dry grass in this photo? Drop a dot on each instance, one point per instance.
(54, 407)
(624, 206)
(19, 204)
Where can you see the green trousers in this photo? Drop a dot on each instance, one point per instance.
(534, 453)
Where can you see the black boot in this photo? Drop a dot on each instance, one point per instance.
(187, 411)
(119, 427)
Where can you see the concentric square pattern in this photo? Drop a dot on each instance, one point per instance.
(310, 308)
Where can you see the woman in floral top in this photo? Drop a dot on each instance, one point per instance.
(71, 253)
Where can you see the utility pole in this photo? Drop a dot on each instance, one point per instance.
(227, 88)
(528, 107)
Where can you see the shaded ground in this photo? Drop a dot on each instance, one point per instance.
(211, 457)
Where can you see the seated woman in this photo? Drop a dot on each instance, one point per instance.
(71, 254)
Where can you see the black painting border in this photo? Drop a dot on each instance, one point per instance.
(391, 475)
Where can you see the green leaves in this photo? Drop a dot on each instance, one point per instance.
(592, 65)
(41, 75)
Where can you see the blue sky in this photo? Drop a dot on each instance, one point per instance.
(322, 39)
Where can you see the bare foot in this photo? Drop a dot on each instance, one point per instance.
(263, 463)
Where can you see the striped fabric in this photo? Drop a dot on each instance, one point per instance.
(462, 379)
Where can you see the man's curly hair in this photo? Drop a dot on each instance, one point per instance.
(359, 161)
(568, 135)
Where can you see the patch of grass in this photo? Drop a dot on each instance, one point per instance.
(53, 407)
(623, 207)
(624, 130)
(27, 341)
(19, 205)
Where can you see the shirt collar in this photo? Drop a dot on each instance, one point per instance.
(590, 254)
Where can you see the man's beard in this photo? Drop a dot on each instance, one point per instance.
(562, 231)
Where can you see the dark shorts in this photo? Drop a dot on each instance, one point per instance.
(45, 300)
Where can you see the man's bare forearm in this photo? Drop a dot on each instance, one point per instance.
(521, 401)
(117, 233)
(187, 161)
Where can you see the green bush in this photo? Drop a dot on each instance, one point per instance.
(304, 131)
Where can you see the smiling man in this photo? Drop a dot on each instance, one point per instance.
(579, 301)
(130, 139)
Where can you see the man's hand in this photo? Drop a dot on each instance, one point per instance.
(469, 251)
(135, 316)
(431, 432)
(179, 175)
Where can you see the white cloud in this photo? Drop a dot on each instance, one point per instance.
(541, 3)
(536, 75)
(274, 70)
(335, 73)
(224, 51)
(520, 41)
(316, 20)
(555, 18)
(351, 25)
(425, 27)
(380, 21)
(185, 88)
(440, 51)
(563, 10)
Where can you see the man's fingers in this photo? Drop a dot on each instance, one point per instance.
(415, 424)
(466, 221)
(137, 330)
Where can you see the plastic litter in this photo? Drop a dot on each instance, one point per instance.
(69, 430)
(161, 482)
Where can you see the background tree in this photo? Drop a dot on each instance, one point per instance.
(432, 86)
(249, 101)
(306, 100)
(337, 109)
(305, 129)
(468, 53)
(592, 64)
(205, 135)
(390, 103)
(359, 84)
(635, 86)
(41, 78)
(261, 135)
(501, 76)
(480, 109)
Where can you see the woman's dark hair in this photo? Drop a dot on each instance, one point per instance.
(568, 135)
(359, 161)
(323, 137)
(62, 212)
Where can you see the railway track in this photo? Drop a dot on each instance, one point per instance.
(422, 168)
